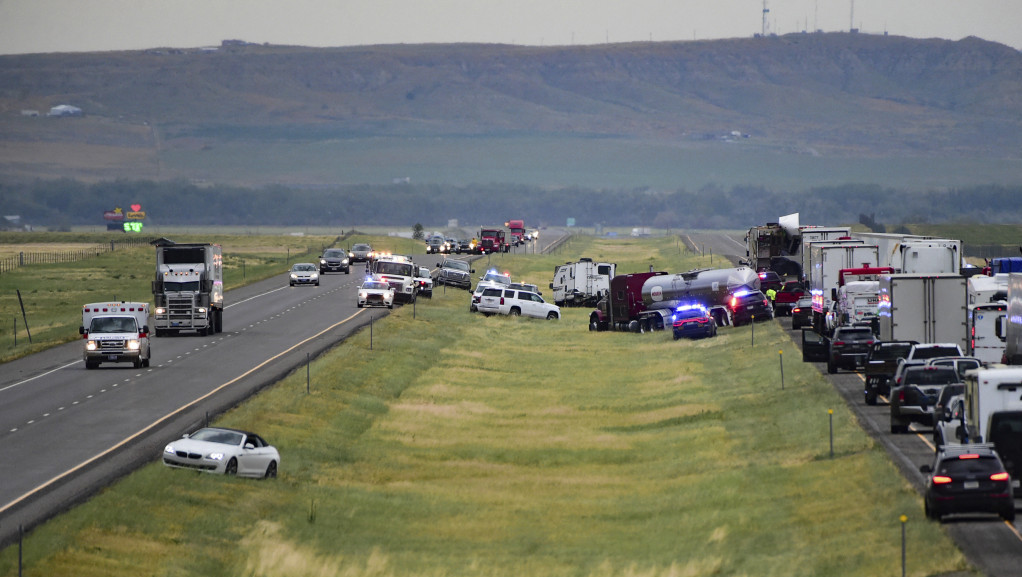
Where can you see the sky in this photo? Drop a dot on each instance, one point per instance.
(33, 26)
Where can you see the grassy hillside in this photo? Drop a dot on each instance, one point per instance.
(556, 452)
(791, 111)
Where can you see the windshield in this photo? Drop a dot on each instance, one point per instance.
(925, 376)
(361, 248)
(334, 253)
(217, 436)
(882, 351)
(113, 325)
(190, 286)
(932, 352)
(376, 285)
(304, 267)
(394, 268)
(497, 278)
(456, 264)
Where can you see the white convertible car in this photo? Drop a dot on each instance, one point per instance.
(224, 451)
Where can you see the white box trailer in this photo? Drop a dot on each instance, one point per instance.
(820, 234)
(828, 260)
(923, 308)
(981, 327)
(581, 283)
(993, 414)
(909, 253)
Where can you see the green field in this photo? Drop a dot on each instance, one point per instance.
(53, 294)
(471, 445)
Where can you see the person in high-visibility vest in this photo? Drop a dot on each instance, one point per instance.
(771, 294)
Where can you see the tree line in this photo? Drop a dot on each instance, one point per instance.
(58, 204)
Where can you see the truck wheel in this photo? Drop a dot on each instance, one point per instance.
(145, 363)
(137, 363)
(390, 306)
(515, 312)
(551, 316)
(831, 367)
(91, 365)
(897, 428)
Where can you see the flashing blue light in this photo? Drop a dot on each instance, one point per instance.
(690, 307)
(742, 293)
(492, 271)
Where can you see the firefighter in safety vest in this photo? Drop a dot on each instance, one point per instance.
(771, 294)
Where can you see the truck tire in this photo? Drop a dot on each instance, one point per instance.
(831, 367)
(871, 396)
(137, 363)
(897, 428)
(515, 312)
(91, 365)
(551, 316)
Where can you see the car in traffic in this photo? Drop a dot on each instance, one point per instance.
(693, 321)
(437, 245)
(914, 396)
(747, 306)
(960, 364)
(375, 293)
(512, 302)
(524, 286)
(454, 272)
(881, 365)
(967, 479)
(802, 313)
(334, 260)
(224, 451)
(361, 252)
(304, 273)
(787, 297)
(424, 279)
(769, 279)
(849, 346)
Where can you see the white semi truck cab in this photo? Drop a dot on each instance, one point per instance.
(116, 332)
(188, 289)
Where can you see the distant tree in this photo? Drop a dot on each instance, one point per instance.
(417, 231)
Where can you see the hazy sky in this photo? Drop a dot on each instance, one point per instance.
(28, 26)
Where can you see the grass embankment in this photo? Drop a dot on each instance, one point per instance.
(471, 445)
(53, 294)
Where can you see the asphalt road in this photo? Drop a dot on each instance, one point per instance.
(992, 545)
(67, 432)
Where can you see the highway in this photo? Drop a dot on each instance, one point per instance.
(992, 545)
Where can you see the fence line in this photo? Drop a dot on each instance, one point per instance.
(21, 259)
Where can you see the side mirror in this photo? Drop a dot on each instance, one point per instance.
(249, 446)
(145, 329)
(999, 327)
(81, 331)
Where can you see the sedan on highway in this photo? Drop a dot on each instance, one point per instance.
(223, 451)
(304, 273)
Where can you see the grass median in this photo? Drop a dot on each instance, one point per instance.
(468, 445)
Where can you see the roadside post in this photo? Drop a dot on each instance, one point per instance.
(903, 520)
(830, 414)
(780, 357)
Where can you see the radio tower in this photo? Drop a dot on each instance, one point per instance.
(765, 12)
(851, 18)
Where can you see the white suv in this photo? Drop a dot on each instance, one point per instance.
(506, 301)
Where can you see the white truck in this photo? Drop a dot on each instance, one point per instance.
(993, 414)
(399, 272)
(115, 332)
(581, 283)
(1009, 329)
(827, 261)
(189, 288)
(810, 235)
(923, 308)
(856, 302)
(981, 328)
(907, 253)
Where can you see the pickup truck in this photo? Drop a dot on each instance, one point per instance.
(849, 347)
(913, 398)
(881, 364)
(787, 296)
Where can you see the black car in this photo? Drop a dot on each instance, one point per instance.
(747, 306)
(334, 260)
(693, 322)
(802, 313)
(967, 479)
(848, 348)
(769, 279)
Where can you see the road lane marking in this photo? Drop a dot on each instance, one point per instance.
(166, 417)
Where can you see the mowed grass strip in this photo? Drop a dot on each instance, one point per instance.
(470, 445)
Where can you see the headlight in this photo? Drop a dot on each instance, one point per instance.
(133, 345)
(161, 311)
(215, 456)
(314, 275)
(322, 261)
(362, 295)
(169, 449)
(90, 345)
(294, 276)
(351, 255)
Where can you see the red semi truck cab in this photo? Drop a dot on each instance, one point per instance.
(491, 240)
(517, 228)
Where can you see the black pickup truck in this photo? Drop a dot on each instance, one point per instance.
(881, 364)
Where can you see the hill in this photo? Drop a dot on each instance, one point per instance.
(823, 106)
